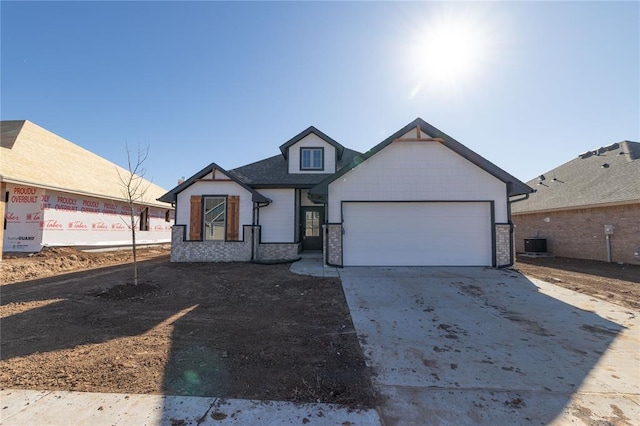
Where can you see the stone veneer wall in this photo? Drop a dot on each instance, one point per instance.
(332, 244)
(503, 246)
(280, 251)
(228, 251)
(209, 251)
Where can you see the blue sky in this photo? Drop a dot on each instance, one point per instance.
(533, 85)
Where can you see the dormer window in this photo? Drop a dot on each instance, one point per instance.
(311, 158)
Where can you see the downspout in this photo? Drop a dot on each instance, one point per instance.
(511, 228)
(253, 221)
(256, 222)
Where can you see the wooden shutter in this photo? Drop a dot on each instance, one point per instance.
(233, 217)
(195, 222)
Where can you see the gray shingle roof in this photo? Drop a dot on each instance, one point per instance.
(273, 171)
(607, 175)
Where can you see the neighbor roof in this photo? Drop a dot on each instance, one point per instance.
(514, 185)
(34, 156)
(608, 175)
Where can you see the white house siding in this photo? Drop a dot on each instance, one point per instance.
(312, 141)
(38, 217)
(417, 171)
(277, 220)
(215, 188)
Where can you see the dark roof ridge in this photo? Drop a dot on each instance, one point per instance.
(514, 185)
(628, 148)
(171, 196)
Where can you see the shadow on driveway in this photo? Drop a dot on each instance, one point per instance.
(483, 346)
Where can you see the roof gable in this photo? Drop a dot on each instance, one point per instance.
(171, 196)
(608, 175)
(423, 131)
(284, 148)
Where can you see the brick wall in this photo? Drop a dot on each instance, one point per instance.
(579, 233)
(279, 251)
(332, 244)
(503, 246)
(209, 251)
(228, 251)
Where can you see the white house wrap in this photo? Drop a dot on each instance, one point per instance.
(76, 202)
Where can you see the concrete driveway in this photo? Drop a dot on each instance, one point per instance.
(484, 346)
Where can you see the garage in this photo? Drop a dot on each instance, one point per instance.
(417, 233)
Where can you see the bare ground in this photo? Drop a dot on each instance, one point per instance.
(231, 330)
(613, 282)
(70, 321)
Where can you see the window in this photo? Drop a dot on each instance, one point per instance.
(312, 159)
(215, 214)
(214, 218)
(6, 201)
(144, 219)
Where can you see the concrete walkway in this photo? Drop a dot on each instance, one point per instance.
(466, 346)
(20, 407)
(310, 263)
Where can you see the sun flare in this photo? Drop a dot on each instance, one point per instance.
(449, 54)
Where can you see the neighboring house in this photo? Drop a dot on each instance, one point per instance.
(55, 193)
(417, 198)
(576, 201)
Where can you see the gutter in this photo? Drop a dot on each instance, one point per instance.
(526, 197)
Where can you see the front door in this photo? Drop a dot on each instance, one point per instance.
(311, 220)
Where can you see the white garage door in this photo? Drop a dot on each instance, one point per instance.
(417, 234)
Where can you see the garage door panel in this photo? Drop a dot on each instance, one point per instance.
(417, 234)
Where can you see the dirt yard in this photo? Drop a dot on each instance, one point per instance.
(53, 261)
(619, 284)
(228, 330)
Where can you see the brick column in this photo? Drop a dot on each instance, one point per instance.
(503, 244)
(332, 244)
